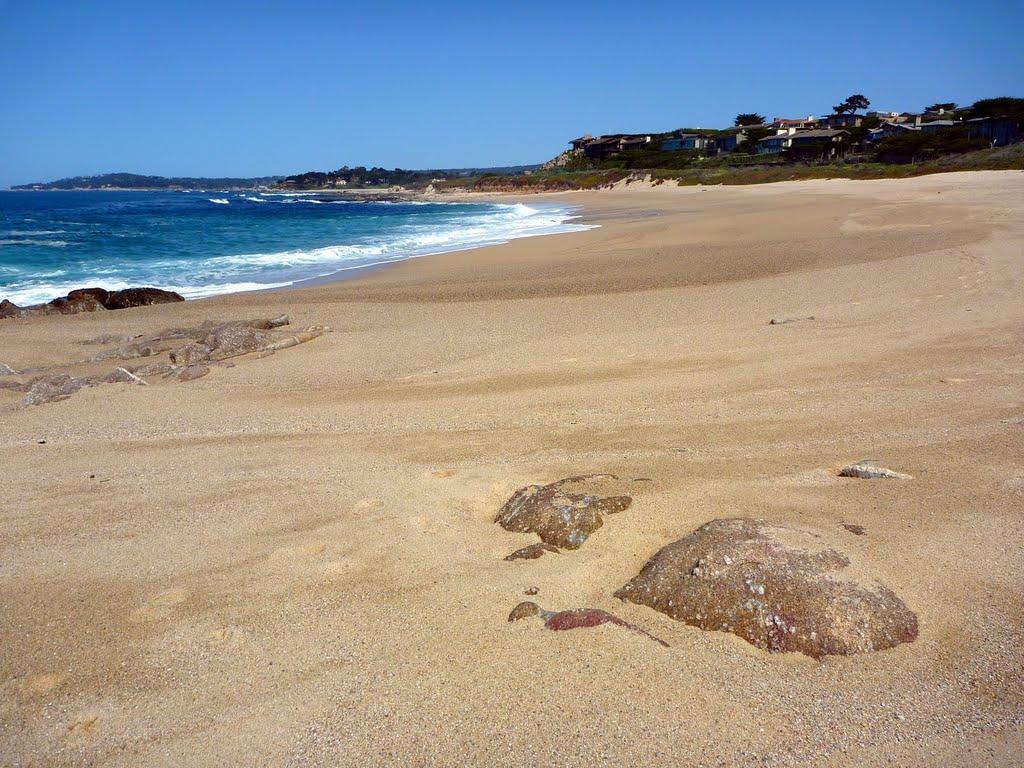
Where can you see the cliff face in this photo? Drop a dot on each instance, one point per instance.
(561, 161)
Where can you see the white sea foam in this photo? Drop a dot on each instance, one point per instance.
(214, 289)
(219, 200)
(408, 241)
(31, 232)
(409, 237)
(37, 293)
(44, 243)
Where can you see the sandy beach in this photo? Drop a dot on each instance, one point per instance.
(293, 561)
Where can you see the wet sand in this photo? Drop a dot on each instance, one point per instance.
(293, 561)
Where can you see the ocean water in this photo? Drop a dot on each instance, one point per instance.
(203, 243)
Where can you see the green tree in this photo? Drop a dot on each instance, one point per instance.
(852, 104)
(946, 106)
(1003, 106)
(748, 118)
(753, 135)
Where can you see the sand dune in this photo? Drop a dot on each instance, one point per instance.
(294, 561)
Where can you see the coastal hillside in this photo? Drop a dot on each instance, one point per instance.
(850, 142)
(138, 181)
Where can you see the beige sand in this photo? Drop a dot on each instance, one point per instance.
(292, 561)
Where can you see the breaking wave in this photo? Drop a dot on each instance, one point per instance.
(181, 242)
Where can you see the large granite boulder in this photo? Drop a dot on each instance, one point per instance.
(566, 512)
(779, 588)
(9, 309)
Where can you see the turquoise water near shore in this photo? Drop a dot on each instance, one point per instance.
(205, 243)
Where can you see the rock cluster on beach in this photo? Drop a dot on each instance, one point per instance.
(92, 300)
(564, 513)
(777, 587)
(180, 354)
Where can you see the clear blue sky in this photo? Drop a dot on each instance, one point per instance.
(251, 88)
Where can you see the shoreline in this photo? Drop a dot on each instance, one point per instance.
(294, 558)
(483, 223)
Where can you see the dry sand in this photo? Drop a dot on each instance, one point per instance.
(293, 561)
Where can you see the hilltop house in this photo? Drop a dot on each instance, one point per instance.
(939, 125)
(579, 144)
(727, 142)
(998, 132)
(601, 147)
(796, 122)
(701, 141)
(841, 121)
(822, 141)
(887, 129)
(817, 141)
(772, 145)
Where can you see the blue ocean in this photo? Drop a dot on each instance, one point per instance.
(203, 243)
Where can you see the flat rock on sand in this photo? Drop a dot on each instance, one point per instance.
(777, 587)
(566, 512)
(866, 470)
(577, 618)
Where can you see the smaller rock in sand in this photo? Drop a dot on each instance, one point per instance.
(532, 551)
(122, 376)
(579, 618)
(189, 372)
(865, 470)
(785, 320)
(564, 513)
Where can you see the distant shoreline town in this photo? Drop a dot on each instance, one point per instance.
(851, 141)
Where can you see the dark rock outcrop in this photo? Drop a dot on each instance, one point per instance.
(779, 588)
(566, 512)
(579, 618)
(92, 300)
(140, 297)
(79, 300)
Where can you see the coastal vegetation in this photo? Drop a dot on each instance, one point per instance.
(844, 144)
(756, 170)
(361, 177)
